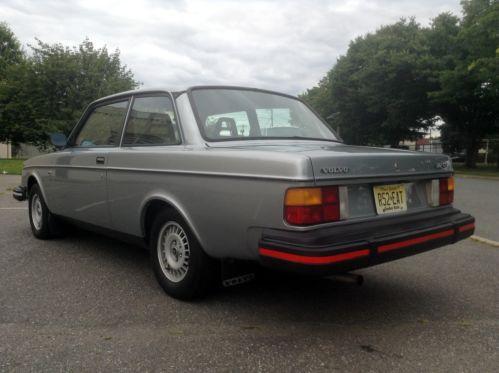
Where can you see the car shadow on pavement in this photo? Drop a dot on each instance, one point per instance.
(329, 300)
(388, 294)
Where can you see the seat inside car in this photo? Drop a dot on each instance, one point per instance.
(224, 127)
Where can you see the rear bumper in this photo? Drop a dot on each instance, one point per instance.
(19, 193)
(334, 250)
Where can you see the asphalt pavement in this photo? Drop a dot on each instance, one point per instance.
(88, 303)
(480, 197)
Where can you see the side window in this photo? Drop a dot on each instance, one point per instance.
(228, 125)
(103, 126)
(152, 122)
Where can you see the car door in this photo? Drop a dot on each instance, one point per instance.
(80, 173)
(151, 137)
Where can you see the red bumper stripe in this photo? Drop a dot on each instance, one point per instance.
(295, 258)
(415, 241)
(313, 259)
(467, 227)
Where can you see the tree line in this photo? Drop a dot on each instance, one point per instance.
(391, 85)
(396, 83)
(45, 88)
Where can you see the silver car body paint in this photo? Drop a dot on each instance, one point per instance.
(226, 191)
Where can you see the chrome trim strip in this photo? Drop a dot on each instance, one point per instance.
(182, 172)
(208, 173)
(358, 179)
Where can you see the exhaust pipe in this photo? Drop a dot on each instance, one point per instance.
(350, 278)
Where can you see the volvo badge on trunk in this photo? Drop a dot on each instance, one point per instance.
(334, 170)
(442, 165)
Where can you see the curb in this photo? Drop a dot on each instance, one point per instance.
(469, 176)
(485, 241)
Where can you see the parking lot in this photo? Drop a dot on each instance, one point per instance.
(87, 302)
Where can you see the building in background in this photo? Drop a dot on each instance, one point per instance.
(5, 150)
(20, 151)
(423, 144)
(429, 145)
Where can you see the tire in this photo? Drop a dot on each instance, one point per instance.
(44, 225)
(182, 268)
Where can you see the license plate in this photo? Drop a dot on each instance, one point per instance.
(390, 198)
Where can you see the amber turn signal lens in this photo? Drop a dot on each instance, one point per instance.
(446, 188)
(303, 197)
(450, 183)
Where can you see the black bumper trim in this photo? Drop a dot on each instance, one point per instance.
(19, 193)
(314, 253)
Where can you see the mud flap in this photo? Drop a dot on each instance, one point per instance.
(236, 272)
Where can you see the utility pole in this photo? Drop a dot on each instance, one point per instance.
(486, 151)
(331, 117)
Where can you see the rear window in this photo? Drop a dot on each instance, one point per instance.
(238, 114)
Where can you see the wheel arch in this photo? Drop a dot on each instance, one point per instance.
(32, 179)
(157, 203)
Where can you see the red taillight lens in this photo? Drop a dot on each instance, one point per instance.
(303, 215)
(308, 206)
(446, 189)
(330, 203)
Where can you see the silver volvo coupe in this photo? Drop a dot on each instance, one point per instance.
(217, 172)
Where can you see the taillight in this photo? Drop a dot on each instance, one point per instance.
(308, 206)
(446, 188)
(441, 192)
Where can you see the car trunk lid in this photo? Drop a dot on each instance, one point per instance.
(344, 161)
(331, 160)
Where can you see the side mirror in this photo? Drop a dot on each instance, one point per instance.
(59, 140)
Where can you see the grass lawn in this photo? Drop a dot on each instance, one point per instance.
(11, 166)
(481, 170)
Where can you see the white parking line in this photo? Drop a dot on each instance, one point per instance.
(485, 240)
(13, 208)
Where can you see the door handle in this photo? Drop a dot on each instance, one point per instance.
(100, 160)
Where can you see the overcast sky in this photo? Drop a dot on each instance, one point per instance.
(282, 45)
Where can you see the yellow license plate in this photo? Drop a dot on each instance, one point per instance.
(390, 198)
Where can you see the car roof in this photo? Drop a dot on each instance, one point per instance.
(176, 92)
(131, 92)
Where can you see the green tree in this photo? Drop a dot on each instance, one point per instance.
(466, 59)
(49, 91)
(319, 97)
(10, 49)
(378, 89)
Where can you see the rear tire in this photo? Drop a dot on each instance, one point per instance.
(182, 268)
(44, 224)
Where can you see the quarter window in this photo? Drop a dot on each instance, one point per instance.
(152, 122)
(103, 127)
